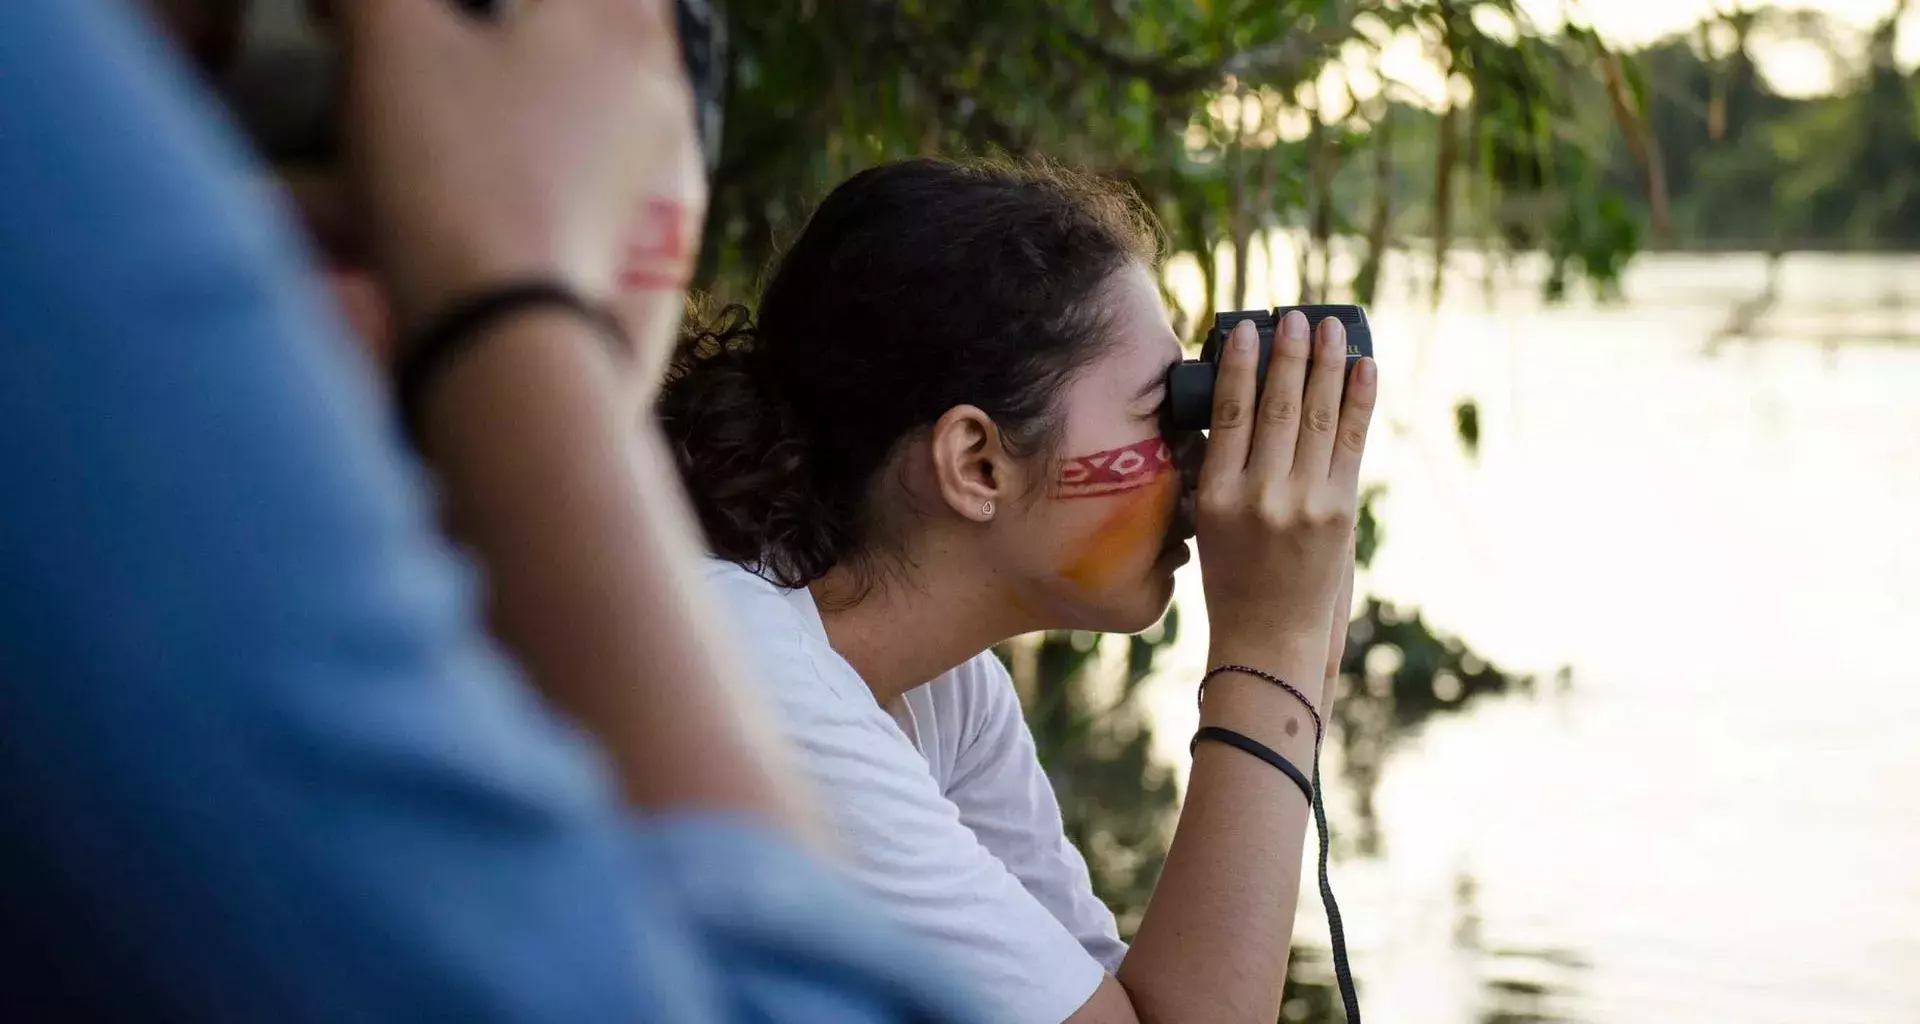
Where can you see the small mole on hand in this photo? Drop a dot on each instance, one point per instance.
(1293, 727)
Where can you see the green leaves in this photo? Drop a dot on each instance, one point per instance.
(1466, 425)
(1368, 533)
(1197, 104)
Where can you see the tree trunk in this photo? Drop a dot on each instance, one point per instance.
(1641, 142)
(1326, 156)
(1264, 201)
(1303, 258)
(1380, 220)
(1201, 239)
(1443, 197)
(1238, 227)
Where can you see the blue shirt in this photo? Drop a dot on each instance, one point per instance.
(258, 762)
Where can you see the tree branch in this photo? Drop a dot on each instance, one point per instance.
(1641, 142)
(970, 114)
(1285, 61)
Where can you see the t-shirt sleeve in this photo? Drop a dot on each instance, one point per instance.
(904, 843)
(1006, 799)
(791, 942)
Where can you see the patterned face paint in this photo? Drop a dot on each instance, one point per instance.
(1115, 471)
(1125, 543)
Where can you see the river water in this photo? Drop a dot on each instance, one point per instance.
(1701, 509)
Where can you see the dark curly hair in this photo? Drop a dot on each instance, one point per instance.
(915, 287)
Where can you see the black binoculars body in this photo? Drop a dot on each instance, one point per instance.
(1190, 384)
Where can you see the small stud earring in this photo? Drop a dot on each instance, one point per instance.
(986, 509)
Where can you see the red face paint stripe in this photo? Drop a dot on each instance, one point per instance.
(1115, 471)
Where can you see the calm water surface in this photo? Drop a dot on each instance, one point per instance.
(1719, 819)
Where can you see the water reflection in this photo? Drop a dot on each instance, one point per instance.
(1515, 986)
(1396, 674)
(1708, 537)
(1528, 986)
(1311, 996)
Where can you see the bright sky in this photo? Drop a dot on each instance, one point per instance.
(1791, 67)
(1795, 67)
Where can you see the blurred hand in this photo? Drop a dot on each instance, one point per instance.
(556, 142)
(1279, 494)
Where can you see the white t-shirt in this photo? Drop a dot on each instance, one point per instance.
(946, 817)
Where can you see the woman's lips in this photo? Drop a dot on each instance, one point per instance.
(1180, 530)
(1178, 554)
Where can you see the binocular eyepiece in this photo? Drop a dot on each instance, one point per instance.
(1190, 384)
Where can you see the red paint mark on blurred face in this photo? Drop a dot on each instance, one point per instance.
(657, 257)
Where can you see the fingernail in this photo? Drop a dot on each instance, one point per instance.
(1244, 336)
(1365, 372)
(1294, 324)
(1333, 339)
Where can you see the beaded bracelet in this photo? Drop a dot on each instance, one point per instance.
(1319, 727)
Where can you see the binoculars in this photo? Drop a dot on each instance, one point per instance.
(1190, 384)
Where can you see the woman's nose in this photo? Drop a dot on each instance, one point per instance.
(1189, 448)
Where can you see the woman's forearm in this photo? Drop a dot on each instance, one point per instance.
(591, 560)
(1213, 944)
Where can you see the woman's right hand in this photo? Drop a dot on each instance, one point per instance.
(1279, 492)
(553, 142)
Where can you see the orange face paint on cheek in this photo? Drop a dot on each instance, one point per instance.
(1138, 482)
(1125, 544)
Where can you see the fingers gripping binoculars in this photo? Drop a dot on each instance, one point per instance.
(1190, 384)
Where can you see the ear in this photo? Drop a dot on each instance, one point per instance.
(971, 463)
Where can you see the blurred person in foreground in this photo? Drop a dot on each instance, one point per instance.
(262, 762)
(591, 605)
(944, 431)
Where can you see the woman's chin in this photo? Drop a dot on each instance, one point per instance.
(1146, 605)
(1176, 555)
(1120, 607)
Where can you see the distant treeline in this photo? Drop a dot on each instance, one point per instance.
(1741, 166)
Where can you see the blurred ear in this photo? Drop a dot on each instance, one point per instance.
(971, 464)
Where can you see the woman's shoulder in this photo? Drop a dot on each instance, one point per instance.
(732, 580)
(758, 608)
(982, 673)
(974, 693)
(779, 631)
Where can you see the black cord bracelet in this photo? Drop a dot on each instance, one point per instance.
(458, 327)
(1336, 926)
(1257, 749)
